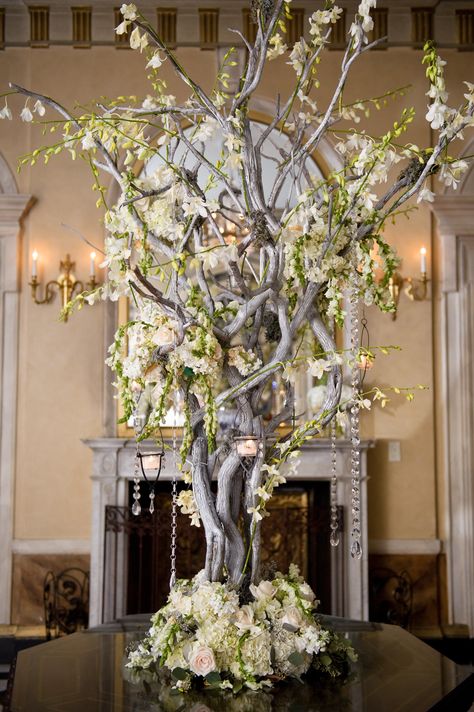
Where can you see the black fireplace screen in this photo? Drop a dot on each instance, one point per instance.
(137, 566)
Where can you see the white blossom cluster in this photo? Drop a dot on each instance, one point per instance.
(204, 633)
(244, 360)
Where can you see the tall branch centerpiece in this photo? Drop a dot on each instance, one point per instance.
(221, 313)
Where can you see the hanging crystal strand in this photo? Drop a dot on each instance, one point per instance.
(136, 508)
(174, 494)
(334, 525)
(151, 506)
(356, 550)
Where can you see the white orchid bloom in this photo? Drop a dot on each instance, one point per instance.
(426, 194)
(156, 61)
(138, 41)
(26, 114)
(88, 141)
(129, 11)
(436, 115)
(39, 108)
(5, 113)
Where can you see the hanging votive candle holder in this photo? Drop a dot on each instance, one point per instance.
(150, 461)
(248, 445)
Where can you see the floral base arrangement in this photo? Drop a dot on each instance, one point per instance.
(206, 637)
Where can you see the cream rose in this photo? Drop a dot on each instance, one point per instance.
(292, 619)
(201, 660)
(243, 619)
(163, 336)
(264, 590)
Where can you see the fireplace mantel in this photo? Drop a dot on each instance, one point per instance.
(112, 468)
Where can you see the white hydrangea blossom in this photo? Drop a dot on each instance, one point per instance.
(244, 360)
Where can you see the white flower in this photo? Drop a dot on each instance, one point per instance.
(122, 28)
(470, 95)
(243, 619)
(307, 592)
(138, 41)
(156, 61)
(129, 12)
(26, 114)
(263, 493)
(5, 113)
(276, 47)
(182, 603)
(436, 114)
(256, 513)
(292, 619)
(426, 194)
(265, 590)
(194, 204)
(206, 129)
(88, 141)
(317, 367)
(39, 108)
(245, 361)
(201, 660)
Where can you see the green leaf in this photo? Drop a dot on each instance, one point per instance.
(325, 660)
(179, 673)
(213, 678)
(296, 659)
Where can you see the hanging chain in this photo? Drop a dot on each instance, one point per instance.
(174, 493)
(334, 524)
(356, 549)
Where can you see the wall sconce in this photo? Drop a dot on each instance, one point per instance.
(66, 284)
(416, 289)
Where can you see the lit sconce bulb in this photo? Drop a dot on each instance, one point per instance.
(34, 263)
(92, 264)
(423, 260)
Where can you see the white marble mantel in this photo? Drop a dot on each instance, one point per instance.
(112, 468)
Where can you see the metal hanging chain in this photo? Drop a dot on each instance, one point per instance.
(356, 549)
(174, 493)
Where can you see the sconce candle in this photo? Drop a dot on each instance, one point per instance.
(34, 264)
(92, 267)
(423, 260)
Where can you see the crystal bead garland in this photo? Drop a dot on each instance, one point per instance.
(334, 525)
(136, 507)
(356, 549)
(334, 536)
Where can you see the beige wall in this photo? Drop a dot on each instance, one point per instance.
(61, 367)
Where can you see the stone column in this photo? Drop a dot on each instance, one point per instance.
(12, 207)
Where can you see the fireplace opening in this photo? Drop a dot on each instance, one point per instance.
(137, 549)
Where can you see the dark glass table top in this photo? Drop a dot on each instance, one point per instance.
(395, 672)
